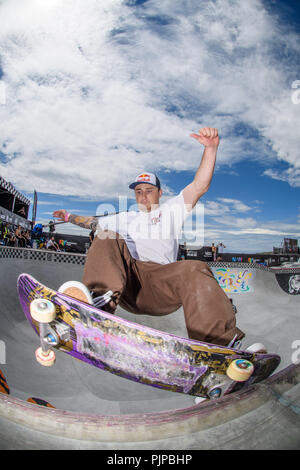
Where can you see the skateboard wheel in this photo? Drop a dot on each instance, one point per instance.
(45, 358)
(240, 370)
(42, 310)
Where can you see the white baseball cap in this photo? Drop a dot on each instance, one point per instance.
(145, 177)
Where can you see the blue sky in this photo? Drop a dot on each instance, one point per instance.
(92, 93)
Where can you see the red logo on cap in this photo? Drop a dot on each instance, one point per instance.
(144, 177)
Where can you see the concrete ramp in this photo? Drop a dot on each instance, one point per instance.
(97, 410)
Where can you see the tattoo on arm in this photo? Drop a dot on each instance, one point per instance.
(84, 222)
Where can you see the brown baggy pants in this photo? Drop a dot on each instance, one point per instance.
(158, 289)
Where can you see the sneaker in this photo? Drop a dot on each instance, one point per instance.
(257, 348)
(77, 290)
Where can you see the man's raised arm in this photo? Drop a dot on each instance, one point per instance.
(84, 222)
(207, 136)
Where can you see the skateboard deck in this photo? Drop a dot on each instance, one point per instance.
(140, 353)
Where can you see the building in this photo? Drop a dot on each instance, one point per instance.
(14, 206)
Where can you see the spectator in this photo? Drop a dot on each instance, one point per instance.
(27, 238)
(6, 232)
(92, 235)
(52, 245)
(2, 232)
(51, 227)
(20, 239)
(11, 239)
(1, 229)
(221, 247)
(214, 251)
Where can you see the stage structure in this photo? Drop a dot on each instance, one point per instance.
(14, 206)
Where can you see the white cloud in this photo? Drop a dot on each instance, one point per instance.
(238, 222)
(224, 221)
(236, 205)
(97, 91)
(225, 205)
(215, 208)
(290, 176)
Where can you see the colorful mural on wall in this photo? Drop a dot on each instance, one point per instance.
(235, 280)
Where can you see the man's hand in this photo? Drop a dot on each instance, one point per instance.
(207, 136)
(60, 214)
(84, 222)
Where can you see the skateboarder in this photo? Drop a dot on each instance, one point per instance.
(134, 256)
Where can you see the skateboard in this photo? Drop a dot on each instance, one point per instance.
(134, 351)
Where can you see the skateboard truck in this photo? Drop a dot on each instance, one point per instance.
(239, 370)
(43, 311)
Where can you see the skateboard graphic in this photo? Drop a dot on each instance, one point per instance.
(134, 351)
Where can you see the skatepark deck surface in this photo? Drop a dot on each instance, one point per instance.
(97, 410)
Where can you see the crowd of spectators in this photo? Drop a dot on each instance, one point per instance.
(11, 235)
(16, 236)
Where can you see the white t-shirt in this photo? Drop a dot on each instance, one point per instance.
(151, 236)
(49, 243)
